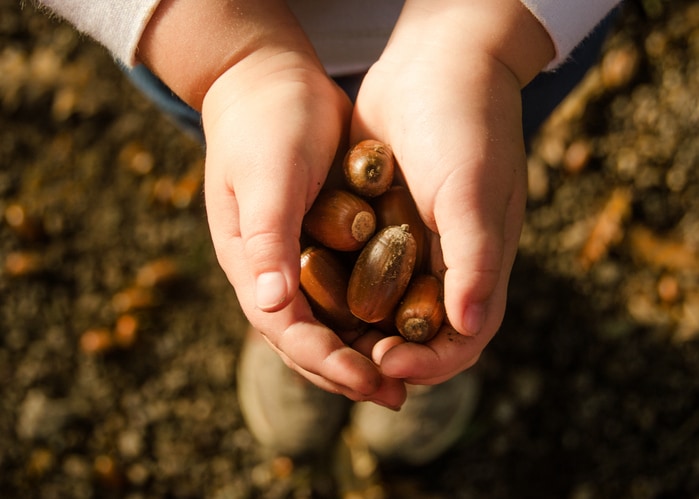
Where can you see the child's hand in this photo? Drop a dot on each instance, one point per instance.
(272, 130)
(273, 123)
(446, 96)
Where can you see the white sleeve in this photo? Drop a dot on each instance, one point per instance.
(116, 24)
(568, 22)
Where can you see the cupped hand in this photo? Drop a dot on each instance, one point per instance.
(273, 124)
(451, 111)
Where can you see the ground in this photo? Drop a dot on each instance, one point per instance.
(119, 333)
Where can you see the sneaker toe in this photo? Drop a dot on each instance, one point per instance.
(285, 412)
(432, 419)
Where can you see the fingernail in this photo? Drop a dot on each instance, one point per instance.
(474, 317)
(394, 408)
(270, 290)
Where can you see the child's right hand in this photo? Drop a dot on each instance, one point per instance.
(273, 122)
(273, 126)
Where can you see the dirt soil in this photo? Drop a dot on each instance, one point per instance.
(119, 333)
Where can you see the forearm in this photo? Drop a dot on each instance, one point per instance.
(503, 30)
(336, 27)
(190, 43)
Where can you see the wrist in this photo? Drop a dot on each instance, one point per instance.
(190, 43)
(501, 29)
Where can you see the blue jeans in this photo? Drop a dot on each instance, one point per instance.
(539, 98)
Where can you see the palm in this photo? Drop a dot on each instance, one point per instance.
(461, 154)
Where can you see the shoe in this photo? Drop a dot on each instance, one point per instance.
(431, 421)
(286, 413)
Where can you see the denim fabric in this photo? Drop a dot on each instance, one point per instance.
(541, 96)
(160, 94)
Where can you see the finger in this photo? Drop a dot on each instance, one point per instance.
(270, 224)
(392, 393)
(307, 346)
(449, 352)
(438, 360)
(270, 184)
(375, 344)
(273, 165)
(472, 251)
(313, 350)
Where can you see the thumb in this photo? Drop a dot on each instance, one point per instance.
(256, 200)
(479, 219)
(261, 176)
(271, 206)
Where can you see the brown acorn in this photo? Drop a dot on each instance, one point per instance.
(421, 311)
(324, 281)
(369, 167)
(381, 273)
(340, 220)
(396, 207)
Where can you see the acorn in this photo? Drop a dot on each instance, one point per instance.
(340, 220)
(324, 281)
(421, 311)
(381, 273)
(369, 167)
(396, 207)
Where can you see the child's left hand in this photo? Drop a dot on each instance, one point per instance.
(446, 96)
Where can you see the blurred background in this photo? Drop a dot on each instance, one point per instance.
(119, 333)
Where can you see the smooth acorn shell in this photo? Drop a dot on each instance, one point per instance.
(421, 311)
(340, 220)
(369, 168)
(396, 207)
(324, 280)
(381, 274)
